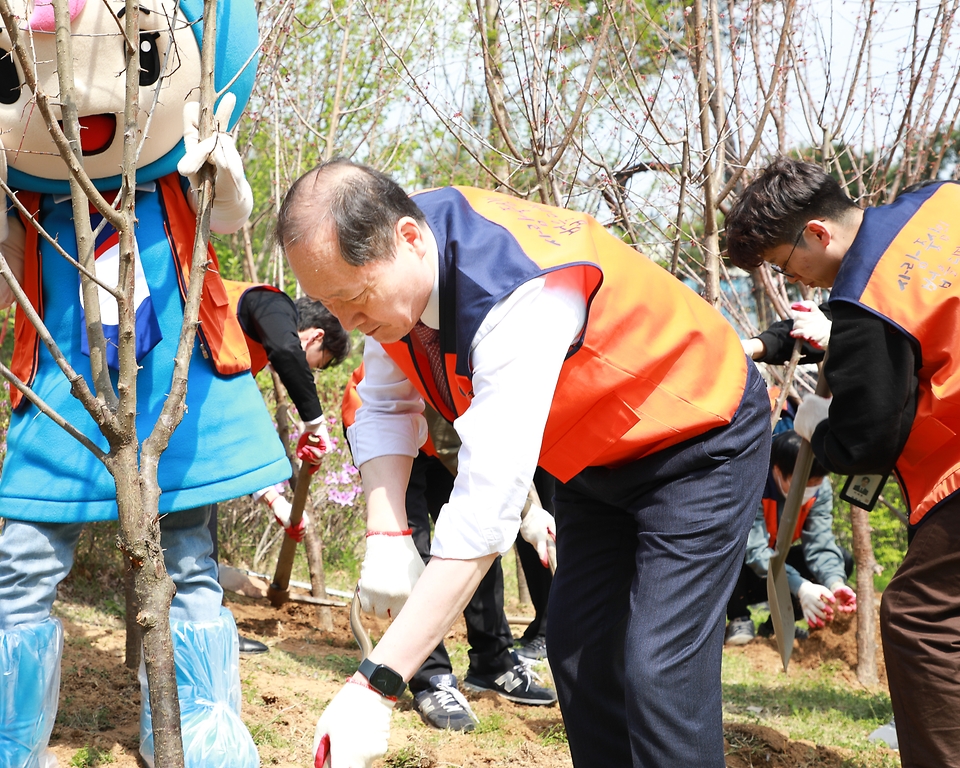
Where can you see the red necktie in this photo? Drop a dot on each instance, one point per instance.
(429, 339)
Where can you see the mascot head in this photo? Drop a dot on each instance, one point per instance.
(170, 37)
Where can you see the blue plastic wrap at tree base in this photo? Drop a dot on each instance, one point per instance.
(207, 657)
(30, 671)
(237, 55)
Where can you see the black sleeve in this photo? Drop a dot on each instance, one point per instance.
(270, 318)
(872, 372)
(778, 343)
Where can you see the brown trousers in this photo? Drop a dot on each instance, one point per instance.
(920, 627)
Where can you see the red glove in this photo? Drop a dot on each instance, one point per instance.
(281, 513)
(313, 444)
(846, 597)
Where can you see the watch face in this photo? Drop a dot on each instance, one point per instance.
(387, 681)
(382, 678)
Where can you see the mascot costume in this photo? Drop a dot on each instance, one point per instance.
(225, 446)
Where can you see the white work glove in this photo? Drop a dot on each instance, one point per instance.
(846, 597)
(810, 324)
(390, 568)
(537, 527)
(281, 512)
(816, 600)
(233, 198)
(353, 730)
(811, 412)
(314, 443)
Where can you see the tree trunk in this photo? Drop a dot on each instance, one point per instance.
(134, 635)
(866, 598)
(313, 545)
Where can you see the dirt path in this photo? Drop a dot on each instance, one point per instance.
(284, 691)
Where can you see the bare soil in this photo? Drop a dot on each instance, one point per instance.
(285, 690)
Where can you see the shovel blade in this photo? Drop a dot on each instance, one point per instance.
(781, 611)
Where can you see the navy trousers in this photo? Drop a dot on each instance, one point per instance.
(488, 633)
(648, 554)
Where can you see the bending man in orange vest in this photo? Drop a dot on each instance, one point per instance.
(545, 340)
(895, 376)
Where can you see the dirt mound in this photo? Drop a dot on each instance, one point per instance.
(835, 644)
(748, 746)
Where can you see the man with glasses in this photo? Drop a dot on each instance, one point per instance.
(295, 338)
(895, 378)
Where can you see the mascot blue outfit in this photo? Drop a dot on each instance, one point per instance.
(226, 445)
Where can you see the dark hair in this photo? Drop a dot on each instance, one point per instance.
(775, 207)
(783, 454)
(362, 203)
(312, 314)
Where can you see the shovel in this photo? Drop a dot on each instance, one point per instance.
(278, 593)
(778, 588)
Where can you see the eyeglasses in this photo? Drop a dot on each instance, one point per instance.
(783, 270)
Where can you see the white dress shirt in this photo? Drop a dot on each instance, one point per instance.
(515, 356)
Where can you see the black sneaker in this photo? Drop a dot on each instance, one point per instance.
(740, 631)
(249, 646)
(443, 706)
(517, 684)
(534, 650)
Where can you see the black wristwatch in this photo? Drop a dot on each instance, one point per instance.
(382, 679)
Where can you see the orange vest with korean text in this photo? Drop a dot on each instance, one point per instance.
(904, 266)
(221, 337)
(654, 365)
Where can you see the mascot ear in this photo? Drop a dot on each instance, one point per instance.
(238, 46)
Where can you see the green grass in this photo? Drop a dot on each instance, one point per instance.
(90, 757)
(407, 757)
(813, 705)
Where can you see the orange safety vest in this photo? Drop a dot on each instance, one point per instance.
(772, 521)
(655, 365)
(351, 403)
(905, 267)
(235, 292)
(221, 337)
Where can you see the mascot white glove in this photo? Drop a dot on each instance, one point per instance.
(539, 527)
(811, 412)
(390, 568)
(815, 600)
(233, 198)
(353, 730)
(810, 324)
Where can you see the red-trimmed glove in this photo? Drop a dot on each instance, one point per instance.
(810, 324)
(314, 443)
(354, 729)
(813, 409)
(816, 600)
(846, 597)
(390, 568)
(281, 513)
(537, 528)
